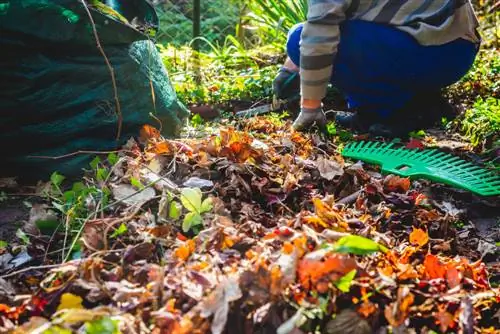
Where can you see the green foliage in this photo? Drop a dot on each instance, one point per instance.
(482, 121)
(196, 120)
(345, 282)
(102, 326)
(355, 244)
(78, 201)
(22, 236)
(227, 75)
(191, 199)
(122, 229)
(272, 19)
(136, 183)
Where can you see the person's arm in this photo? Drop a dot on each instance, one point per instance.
(318, 47)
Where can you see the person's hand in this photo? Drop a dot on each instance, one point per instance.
(309, 116)
(286, 84)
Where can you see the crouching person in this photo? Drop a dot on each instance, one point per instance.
(389, 58)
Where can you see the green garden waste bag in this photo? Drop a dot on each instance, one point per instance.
(56, 92)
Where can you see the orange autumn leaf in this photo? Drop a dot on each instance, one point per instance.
(396, 313)
(310, 271)
(326, 216)
(287, 248)
(161, 148)
(419, 237)
(367, 308)
(406, 271)
(393, 183)
(444, 319)
(406, 255)
(184, 252)
(170, 307)
(250, 254)
(300, 244)
(148, 132)
(453, 276)
(433, 267)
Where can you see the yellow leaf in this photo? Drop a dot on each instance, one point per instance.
(70, 301)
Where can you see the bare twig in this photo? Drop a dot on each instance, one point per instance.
(110, 68)
(48, 266)
(74, 153)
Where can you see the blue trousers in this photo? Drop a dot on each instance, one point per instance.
(380, 69)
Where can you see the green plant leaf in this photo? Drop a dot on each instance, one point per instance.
(94, 163)
(354, 244)
(57, 330)
(206, 205)
(136, 183)
(191, 219)
(47, 226)
(196, 120)
(122, 229)
(344, 283)
(102, 174)
(57, 179)
(102, 326)
(3, 244)
(191, 199)
(78, 187)
(174, 211)
(112, 158)
(22, 236)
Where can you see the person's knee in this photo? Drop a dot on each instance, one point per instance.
(293, 43)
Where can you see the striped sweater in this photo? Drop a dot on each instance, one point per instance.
(431, 22)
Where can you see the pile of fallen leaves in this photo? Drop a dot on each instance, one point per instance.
(256, 230)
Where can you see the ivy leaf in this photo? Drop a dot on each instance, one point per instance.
(174, 211)
(122, 229)
(206, 205)
(191, 219)
(345, 282)
(191, 199)
(354, 244)
(56, 179)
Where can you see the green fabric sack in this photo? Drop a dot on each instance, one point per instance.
(56, 92)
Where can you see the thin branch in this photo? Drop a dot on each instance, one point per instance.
(110, 68)
(74, 153)
(49, 266)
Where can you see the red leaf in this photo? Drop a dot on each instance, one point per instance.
(415, 143)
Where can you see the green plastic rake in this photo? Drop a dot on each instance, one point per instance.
(429, 164)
